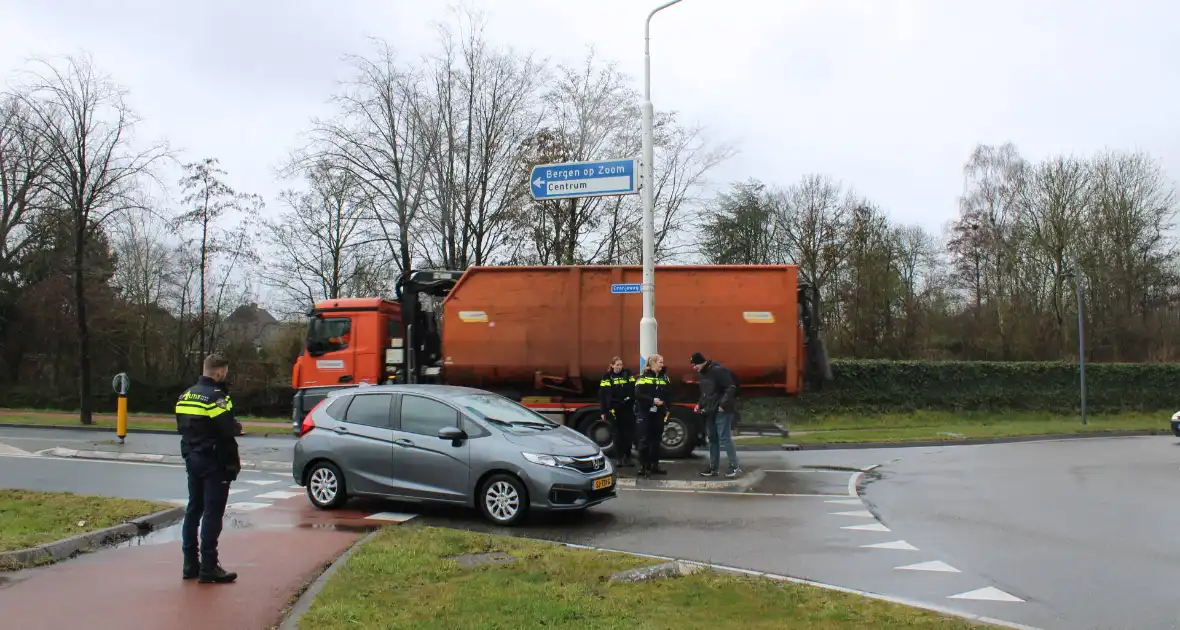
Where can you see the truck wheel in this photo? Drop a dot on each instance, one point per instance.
(589, 423)
(680, 434)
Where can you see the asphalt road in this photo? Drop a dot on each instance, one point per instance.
(1066, 534)
(272, 448)
(1083, 530)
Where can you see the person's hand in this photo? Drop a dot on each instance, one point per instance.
(696, 408)
(604, 417)
(658, 401)
(720, 408)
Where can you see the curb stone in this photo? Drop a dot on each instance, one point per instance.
(151, 458)
(68, 547)
(745, 482)
(303, 603)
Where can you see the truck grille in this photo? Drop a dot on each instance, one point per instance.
(588, 465)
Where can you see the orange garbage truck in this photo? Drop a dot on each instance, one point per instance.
(543, 336)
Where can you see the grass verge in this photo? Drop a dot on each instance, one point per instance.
(406, 577)
(69, 420)
(951, 426)
(28, 519)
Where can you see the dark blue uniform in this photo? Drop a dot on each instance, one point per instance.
(615, 394)
(208, 443)
(652, 417)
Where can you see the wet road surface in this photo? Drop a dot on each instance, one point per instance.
(1084, 530)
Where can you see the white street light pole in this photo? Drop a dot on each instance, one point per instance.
(647, 325)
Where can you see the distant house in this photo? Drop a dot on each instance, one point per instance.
(250, 323)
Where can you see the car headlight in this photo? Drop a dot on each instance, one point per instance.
(547, 460)
(1176, 416)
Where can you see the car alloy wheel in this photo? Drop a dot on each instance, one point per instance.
(324, 486)
(504, 500)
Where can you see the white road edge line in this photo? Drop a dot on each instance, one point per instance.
(729, 492)
(794, 580)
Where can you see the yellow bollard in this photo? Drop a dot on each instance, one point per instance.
(121, 384)
(121, 419)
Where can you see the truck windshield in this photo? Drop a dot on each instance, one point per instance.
(499, 408)
(328, 334)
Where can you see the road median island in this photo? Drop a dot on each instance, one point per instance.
(950, 427)
(135, 422)
(424, 577)
(43, 527)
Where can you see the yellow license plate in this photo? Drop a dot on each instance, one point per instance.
(604, 482)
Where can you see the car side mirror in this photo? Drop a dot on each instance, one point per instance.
(454, 434)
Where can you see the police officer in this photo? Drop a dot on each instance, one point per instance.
(652, 406)
(615, 393)
(205, 421)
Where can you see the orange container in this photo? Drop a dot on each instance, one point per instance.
(553, 330)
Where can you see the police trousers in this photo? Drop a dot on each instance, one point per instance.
(623, 415)
(651, 434)
(208, 493)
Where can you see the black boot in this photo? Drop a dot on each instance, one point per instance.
(212, 573)
(192, 565)
(655, 469)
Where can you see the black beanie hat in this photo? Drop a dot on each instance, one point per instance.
(697, 358)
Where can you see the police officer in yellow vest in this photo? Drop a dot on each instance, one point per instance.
(653, 403)
(615, 393)
(208, 430)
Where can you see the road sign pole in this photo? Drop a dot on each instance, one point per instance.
(121, 384)
(647, 324)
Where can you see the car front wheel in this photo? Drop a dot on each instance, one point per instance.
(504, 500)
(325, 486)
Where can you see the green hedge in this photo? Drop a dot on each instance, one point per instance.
(857, 386)
(860, 385)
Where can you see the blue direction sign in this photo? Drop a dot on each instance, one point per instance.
(626, 288)
(585, 179)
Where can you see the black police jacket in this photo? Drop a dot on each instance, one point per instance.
(615, 389)
(208, 430)
(650, 386)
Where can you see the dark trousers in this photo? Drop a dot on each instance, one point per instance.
(624, 417)
(651, 432)
(208, 492)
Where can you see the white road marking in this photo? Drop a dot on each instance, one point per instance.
(299, 488)
(897, 544)
(246, 506)
(845, 501)
(78, 460)
(180, 502)
(808, 470)
(259, 482)
(861, 513)
(728, 492)
(278, 494)
(5, 449)
(852, 481)
(281, 474)
(393, 517)
(988, 593)
(237, 490)
(933, 565)
(870, 527)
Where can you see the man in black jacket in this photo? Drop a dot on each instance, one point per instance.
(208, 443)
(719, 403)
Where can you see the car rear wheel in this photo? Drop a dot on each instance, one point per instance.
(325, 486)
(504, 500)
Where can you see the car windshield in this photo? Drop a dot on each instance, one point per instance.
(503, 411)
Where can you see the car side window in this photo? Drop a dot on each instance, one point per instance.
(335, 410)
(425, 416)
(371, 410)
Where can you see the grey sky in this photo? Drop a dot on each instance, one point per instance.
(887, 95)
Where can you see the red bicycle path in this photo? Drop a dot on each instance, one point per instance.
(140, 587)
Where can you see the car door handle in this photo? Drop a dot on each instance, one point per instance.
(339, 429)
(403, 442)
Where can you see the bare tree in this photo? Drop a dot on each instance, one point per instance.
(816, 213)
(325, 245)
(385, 137)
(146, 269)
(485, 102)
(208, 200)
(25, 160)
(86, 125)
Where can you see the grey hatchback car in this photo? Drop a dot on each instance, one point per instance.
(457, 445)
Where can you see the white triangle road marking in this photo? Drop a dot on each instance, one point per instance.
(395, 517)
(933, 565)
(277, 494)
(897, 544)
(988, 593)
(870, 527)
(846, 501)
(246, 506)
(8, 449)
(259, 482)
(864, 513)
